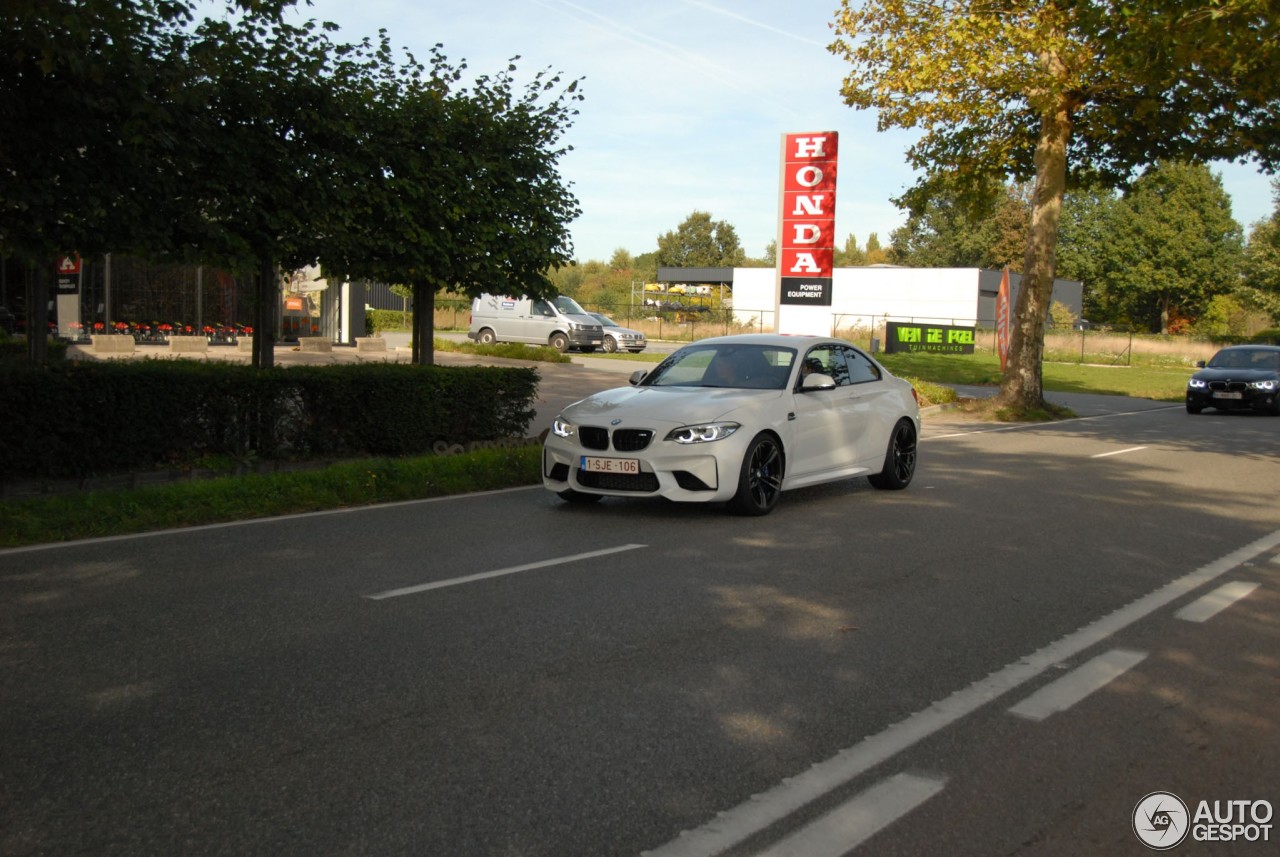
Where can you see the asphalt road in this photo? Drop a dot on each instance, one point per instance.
(990, 662)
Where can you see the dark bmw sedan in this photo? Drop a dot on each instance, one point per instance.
(1238, 377)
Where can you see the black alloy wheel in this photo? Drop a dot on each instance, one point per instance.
(760, 481)
(899, 459)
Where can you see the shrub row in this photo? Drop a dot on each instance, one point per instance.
(84, 418)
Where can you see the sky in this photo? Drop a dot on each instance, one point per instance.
(686, 102)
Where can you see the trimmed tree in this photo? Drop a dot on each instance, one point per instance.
(460, 188)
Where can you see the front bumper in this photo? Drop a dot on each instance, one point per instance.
(1237, 398)
(698, 473)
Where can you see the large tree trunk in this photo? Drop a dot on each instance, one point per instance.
(1022, 387)
(424, 324)
(265, 297)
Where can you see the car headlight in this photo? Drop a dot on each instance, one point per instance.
(703, 433)
(560, 427)
(1196, 384)
(1268, 386)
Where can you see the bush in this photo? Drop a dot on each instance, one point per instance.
(378, 320)
(1270, 336)
(80, 419)
(13, 351)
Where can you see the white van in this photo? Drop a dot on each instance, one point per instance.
(559, 322)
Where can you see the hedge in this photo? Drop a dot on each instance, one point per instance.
(83, 418)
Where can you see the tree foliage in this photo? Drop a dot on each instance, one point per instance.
(850, 255)
(1059, 92)
(700, 242)
(460, 188)
(1173, 247)
(251, 142)
(1262, 262)
(953, 232)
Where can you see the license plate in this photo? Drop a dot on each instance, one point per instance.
(1228, 395)
(609, 465)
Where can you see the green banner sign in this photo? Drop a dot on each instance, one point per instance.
(933, 338)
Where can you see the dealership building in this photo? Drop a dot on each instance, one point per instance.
(867, 297)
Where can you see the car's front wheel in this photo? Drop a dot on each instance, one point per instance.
(760, 479)
(899, 459)
(610, 344)
(1194, 409)
(559, 342)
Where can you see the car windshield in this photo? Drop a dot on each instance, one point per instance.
(756, 367)
(1245, 358)
(568, 306)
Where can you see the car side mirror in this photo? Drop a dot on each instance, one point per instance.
(638, 376)
(817, 381)
(1199, 364)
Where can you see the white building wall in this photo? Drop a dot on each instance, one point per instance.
(864, 297)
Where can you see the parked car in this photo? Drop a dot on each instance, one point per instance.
(1237, 377)
(738, 419)
(559, 322)
(617, 337)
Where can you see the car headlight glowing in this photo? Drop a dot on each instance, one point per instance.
(1268, 386)
(703, 433)
(1196, 384)
(560, 427)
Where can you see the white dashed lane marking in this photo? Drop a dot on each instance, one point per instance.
(1205, 608)
(1078, 684)
(857, 820)
(501, 572)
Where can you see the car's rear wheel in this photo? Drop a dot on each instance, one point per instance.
(610, 344)
(760, 479)
(559, 342)
(899, 459)
(486, 337)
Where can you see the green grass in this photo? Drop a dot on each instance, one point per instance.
(509, 350)
(1144, 382)
(91, 514)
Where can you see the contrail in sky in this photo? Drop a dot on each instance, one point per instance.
(744, 19)
(666, 49)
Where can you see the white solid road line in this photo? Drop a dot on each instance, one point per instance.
(857, 820)
(1118, 452)
(731, 827)
(486, 575)
(1077, 684)
(1203, 609)
(1024, 426)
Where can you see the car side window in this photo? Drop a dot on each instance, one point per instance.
(858, 369)
(542, 308)
(821, 360)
